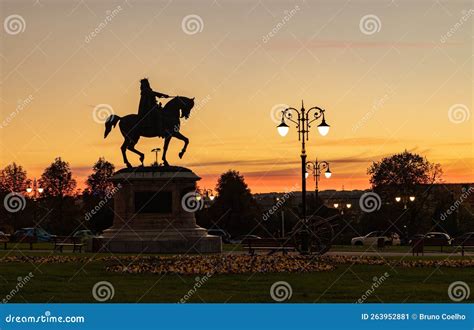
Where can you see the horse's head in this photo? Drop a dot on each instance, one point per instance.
(186, 104)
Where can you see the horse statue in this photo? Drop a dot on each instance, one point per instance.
(167, 127)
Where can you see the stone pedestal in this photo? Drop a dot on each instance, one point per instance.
(154, 213)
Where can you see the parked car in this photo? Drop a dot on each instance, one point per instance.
(40, 234)
(220, 232)
(439, 236)
(373, 237)
(239, 239)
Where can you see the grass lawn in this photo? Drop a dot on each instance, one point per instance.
(73, 282)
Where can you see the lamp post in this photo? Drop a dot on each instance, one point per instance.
(35, 191)
(315, 169)
(342, 206)
(156, 151)
(304, 119)
(405, 200)
(207, 194)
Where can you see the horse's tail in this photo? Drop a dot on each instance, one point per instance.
(110, 123)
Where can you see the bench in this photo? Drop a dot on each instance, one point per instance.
(418, 244)
(4, 239)
(270, 244)
(463, 243)
(66, 241)
(27, 239)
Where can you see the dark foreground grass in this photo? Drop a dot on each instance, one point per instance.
(73, 282)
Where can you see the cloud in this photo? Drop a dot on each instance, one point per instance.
(318, 44)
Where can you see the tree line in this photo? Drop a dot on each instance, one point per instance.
(61, 208)
(55, 203)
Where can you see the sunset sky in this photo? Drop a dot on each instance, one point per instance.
(402, 81)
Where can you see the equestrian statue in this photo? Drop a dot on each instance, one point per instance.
(152, 120)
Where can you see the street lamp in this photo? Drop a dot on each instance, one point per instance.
(315, 168)
(303, 121)
(156, 151)
(207, 194)
(405, 200)
(342, 206)
(35, 190)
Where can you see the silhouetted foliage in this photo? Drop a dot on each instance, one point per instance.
(57, 179)
(13, 178)
(99, 193)
(403, 175)
(404, 169)
(59, 188)
(98, 183)
(234, 209)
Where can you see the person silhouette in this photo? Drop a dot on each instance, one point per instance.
(148, 108)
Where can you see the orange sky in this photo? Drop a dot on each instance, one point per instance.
(407, 84)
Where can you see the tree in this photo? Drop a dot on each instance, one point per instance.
(403, 175)
(404, 169)
(234, 208)
(98, 188)
(98, 183)
(57, 179)
(13, 179)
(59, 188)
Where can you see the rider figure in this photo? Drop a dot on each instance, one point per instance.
(148, 106)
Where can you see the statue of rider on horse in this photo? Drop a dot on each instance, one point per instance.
(152, 120)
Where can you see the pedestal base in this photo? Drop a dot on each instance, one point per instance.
(154, 213)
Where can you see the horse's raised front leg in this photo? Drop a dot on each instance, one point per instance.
(131, 147)
(124, 153)
(165, 149)
(181, 137)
